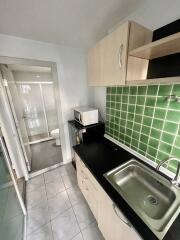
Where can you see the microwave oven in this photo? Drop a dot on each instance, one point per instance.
(86, 115)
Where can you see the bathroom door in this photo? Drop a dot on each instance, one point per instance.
(17, 112)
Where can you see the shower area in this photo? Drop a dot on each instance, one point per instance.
(31, 94)
(36, 91)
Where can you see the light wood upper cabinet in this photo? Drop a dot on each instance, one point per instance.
(108, 62)
(107, 59)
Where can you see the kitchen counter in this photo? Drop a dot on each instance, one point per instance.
(102, 156)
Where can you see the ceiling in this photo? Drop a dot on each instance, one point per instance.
(77, 23)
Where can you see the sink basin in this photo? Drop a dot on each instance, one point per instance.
(154, 199)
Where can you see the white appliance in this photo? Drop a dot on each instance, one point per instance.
(86, 115)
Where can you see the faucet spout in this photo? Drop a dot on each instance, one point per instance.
(175, 179)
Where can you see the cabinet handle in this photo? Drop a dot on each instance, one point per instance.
(120, 55)
(116, 212)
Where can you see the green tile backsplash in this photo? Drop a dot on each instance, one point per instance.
(143, 119)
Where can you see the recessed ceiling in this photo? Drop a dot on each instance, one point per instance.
(77, 23)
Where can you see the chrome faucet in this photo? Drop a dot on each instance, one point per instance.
(175, 179)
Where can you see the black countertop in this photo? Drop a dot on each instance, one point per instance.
(102, 156)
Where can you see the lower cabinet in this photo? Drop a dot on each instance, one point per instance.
(111, 222)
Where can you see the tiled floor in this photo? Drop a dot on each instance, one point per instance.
(57, 209)
(45, 154)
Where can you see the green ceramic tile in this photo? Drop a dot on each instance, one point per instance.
(150, 101)
(173, 116)
(137, 127)
(124, 107)
(170, 127)
(145, 130)
(118, 98)
(131, 108)
(112, 105)
(130, 116)
(128, 132)
(129, 124)
(135, 135)
(176, 152)
(144, 138)
(151, 151)
(108, 90)
(113, 90)
(168, 138)
(153, 142)
(176, 89)
(138, 118)
(134, 143)
(119, 90)
(161, 156)
(118, 105)
(143, 146)
(124, 99)
(160, 113)
(152, 90)
(140, 100)
(174, 105)
(155, 133)
(147, 121)
(125, 90)
(133, 90)
(161, 102)
(139, 110)
(177, 141)
(132, 99)
(148, 111)
(142, 90)
(158, 124)
(113, 98)
(123, 115)
(166, 148)
(165, 90)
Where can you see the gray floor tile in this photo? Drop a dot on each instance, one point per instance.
(69, 180)
(78, 237)
(37, 217)
(58, 204)
(52, 176)
(35, 183)
(36, 197)
(43, 233)
(67, 169)
(52, 188)
(92, 232)
(75, 195)
(65, 226)
(83, 214)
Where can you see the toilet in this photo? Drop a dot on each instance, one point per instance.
(55, 135)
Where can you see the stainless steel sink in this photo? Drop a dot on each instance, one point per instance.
(155, 200)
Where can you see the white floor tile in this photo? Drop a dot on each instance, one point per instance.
(52, 176)
(52, 188)
(75, 195)
(36, 197)
(65, 226)
(37, 217)
(92, 232)
(35, 183)
(58, 204)
(83, 214)
(43, 233)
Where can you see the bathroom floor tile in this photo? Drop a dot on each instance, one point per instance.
(53, 188)
(43, 233)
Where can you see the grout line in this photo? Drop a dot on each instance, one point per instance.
(134, 117)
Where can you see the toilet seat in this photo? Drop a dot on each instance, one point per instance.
(55, 135)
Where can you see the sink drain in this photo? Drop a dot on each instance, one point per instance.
(152, 200)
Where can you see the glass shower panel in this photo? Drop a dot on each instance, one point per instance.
(50, 106)
(33, 111)
(11, 215)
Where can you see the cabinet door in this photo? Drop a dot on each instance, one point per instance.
(94, 66)
(114, 56)
(111, 222)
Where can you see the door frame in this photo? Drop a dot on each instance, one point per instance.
(53, 66)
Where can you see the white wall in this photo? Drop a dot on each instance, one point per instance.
(152, 14)
(72, 74)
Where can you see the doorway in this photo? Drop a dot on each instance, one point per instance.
(31, 94)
